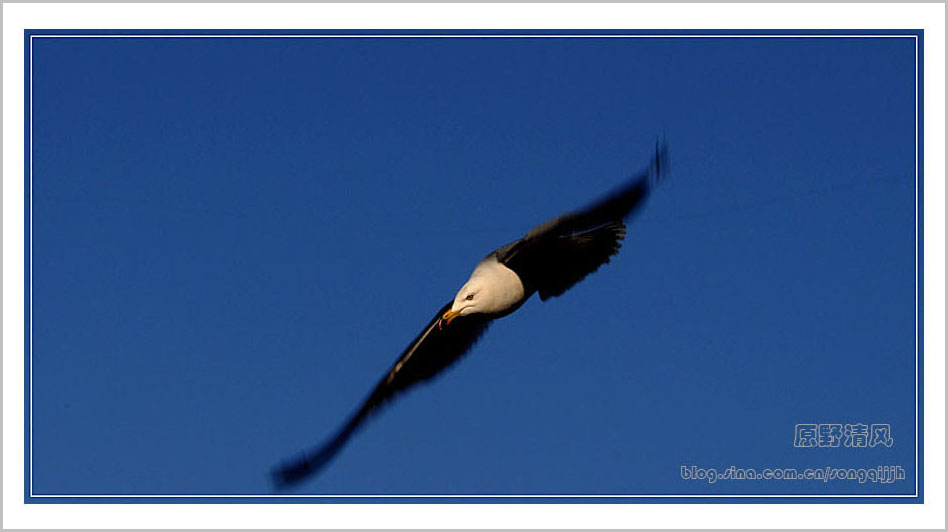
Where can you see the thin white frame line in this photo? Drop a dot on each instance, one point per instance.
(469, 36)
(31, 266)
(469, 496)
(912, 36)
(916, 268)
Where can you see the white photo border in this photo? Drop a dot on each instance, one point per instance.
(521, 16)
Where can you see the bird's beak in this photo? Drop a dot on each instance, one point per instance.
(447, 317)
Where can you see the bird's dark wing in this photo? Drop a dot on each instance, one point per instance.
(571, 258)
(555, 255)
(431, 352)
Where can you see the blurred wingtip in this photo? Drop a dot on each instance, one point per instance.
(296, 471)
(660, 167)
(289, 475)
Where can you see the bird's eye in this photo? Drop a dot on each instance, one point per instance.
(469, 297)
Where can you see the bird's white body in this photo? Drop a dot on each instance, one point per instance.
(492, 289)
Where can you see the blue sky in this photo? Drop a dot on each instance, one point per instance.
(233, 239)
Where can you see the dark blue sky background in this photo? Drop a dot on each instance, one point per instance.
(235, 238)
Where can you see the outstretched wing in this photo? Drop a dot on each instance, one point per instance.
(571, 258)
(555, 255)
(431, 352)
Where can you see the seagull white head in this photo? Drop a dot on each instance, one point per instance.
(492, 289)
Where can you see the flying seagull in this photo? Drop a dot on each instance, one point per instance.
(548, 261)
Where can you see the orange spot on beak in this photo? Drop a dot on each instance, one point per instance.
(447, 318)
